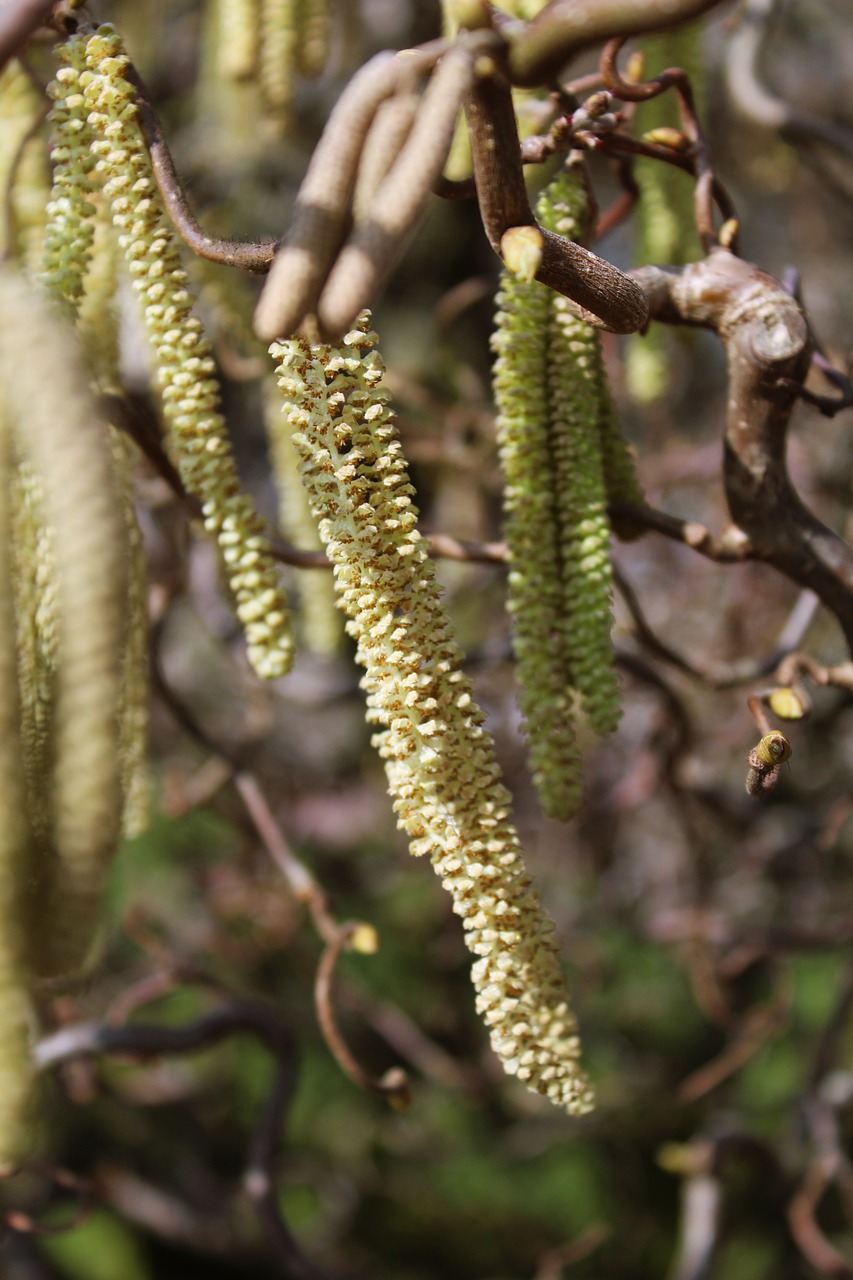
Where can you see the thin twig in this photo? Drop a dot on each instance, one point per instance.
(394, 1083)
(234, 253)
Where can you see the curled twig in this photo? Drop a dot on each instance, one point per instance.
(672, 78)
(768, 343)
(394, 1084)
(605, 296)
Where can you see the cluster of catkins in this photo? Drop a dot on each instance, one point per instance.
(73, 693)
(73, 670)
(272, 43)
(563, 459)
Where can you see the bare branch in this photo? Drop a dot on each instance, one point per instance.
(605, 295)
(767, 340)
(567, 27)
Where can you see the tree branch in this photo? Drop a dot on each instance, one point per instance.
(768, 344)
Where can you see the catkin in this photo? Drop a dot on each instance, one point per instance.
(184, 363)
(70, 230)
(16, 1012)
(563, 458)
(534, 588)
(237, 38)
(665, 223)
(319, 621)
(314, 36)
(24, 174)
(279, 50)
(62, 439)
(439, 759)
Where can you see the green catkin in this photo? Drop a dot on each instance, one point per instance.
(98, 321)
(574, 404)
(70, 230)
(185, 368)
(438, 757)
(29, 185)
(319, 620)
(279, 50)
(314, 36)
(64, 443)
(535, 600)
(665, 223)
(17, 1018)
(621, 479)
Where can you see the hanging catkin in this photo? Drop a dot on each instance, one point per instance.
(16, 1011)
(563, 457)
(439, 759)
(63, 441)
(185, 368)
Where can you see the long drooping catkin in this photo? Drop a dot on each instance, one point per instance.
(563, 458)
(185, 366)
(16, 1014)
(535, 597)
(61, 438)
(439, 759)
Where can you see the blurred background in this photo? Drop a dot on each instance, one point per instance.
(706, 935)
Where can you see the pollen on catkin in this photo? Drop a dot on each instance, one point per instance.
(197, 435)
(439, 759)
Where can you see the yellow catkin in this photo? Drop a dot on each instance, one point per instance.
(59, 433)
(24, 174)
(98, 325)
(313, 36)
(184, 363)
(238, 35)
(98, 320)
(319, 620)
(16, 1011)
(574, 408)
(279, 50)
(34, 575)
(135, 695)
(439, 759)
(69, 232)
